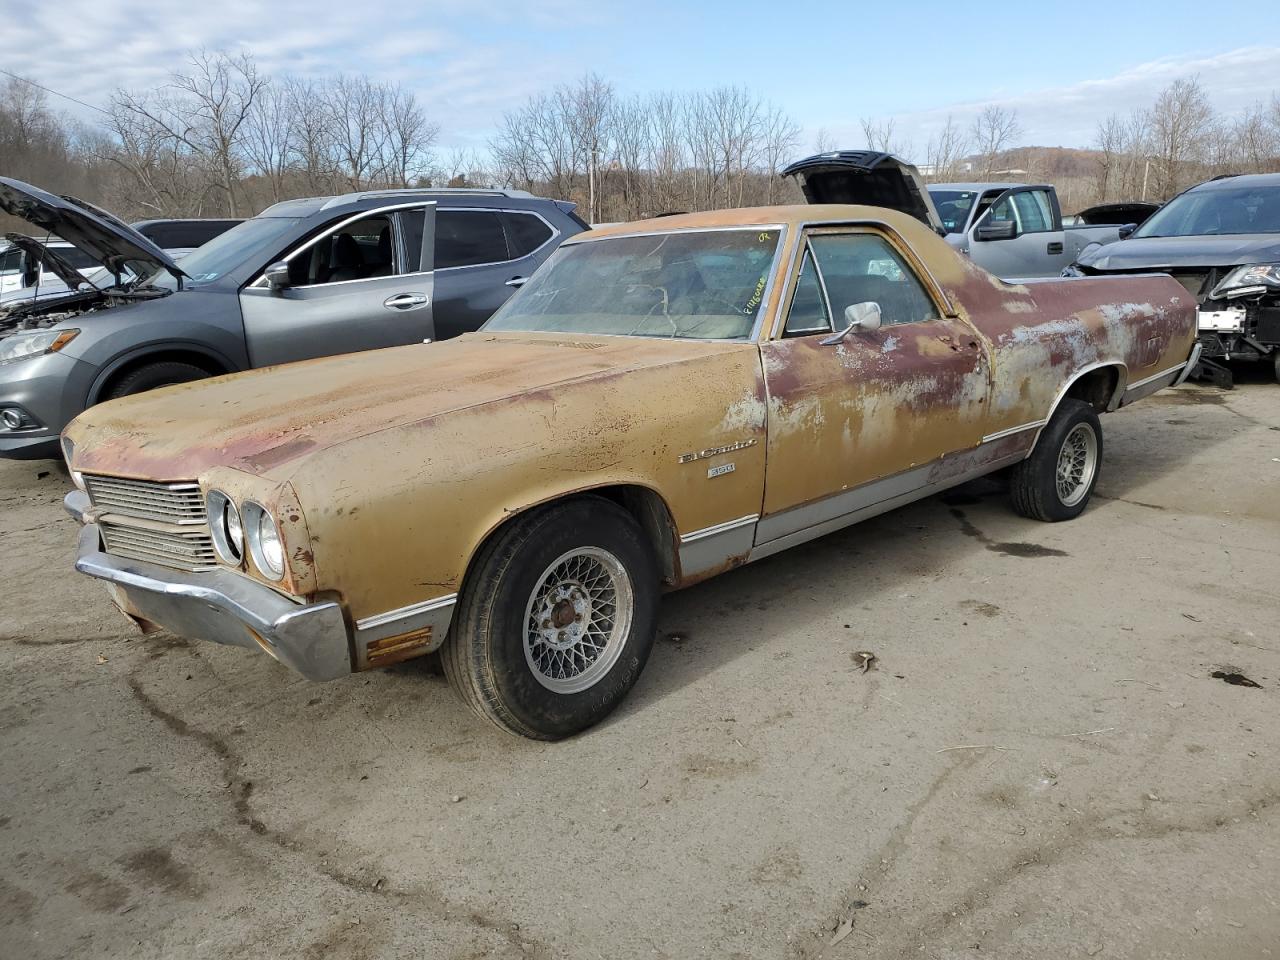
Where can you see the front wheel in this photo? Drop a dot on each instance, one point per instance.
(556, 619)
(1056, 481)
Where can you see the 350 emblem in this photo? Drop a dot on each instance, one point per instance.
(715, 451)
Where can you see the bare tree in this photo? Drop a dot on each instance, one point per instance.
(945, 151)
(994, 130)
(408, 136)
(882, 136)
(1181, 122)
(269, 135)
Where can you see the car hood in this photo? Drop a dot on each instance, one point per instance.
(92, 230)
(264, 422)
(1159, 253)
(865, 177)
(41, 253)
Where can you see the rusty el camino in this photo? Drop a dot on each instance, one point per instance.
(662, 401)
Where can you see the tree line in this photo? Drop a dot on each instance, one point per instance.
(222, 138)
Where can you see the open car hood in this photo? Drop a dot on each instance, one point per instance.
(865, 177)
(93, 230)
(1130, 211)
(38, 253)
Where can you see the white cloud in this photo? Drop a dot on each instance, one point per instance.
(1069, 115)
(87, 49)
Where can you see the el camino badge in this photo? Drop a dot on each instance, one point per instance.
(715, 451)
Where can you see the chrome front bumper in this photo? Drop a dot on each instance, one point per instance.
(219, 605)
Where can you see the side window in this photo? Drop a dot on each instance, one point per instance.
(1034, 212)
(984, 204)
(808, 313)
(525, 233)
(468, 237)
(411, 229)
(861, 267)
(1004, 210)
(353, 251)
(11, 261)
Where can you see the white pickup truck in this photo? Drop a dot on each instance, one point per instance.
(1013, 230)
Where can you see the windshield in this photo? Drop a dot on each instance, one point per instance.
(249, 240)
(953, 207)
(1220, 210)
(706, 284)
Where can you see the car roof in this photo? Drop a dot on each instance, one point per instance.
(373, 199)
(981, 186)
(794, 215)
(1238, 181)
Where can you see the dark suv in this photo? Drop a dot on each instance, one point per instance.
(305, 278)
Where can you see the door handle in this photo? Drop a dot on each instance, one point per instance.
(517, 281)
(406, 301)
(1055, 246)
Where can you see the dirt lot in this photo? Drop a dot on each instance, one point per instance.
(1040, 765)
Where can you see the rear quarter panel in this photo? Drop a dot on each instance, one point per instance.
(1044, 334)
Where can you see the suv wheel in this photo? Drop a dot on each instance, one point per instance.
(151, 376)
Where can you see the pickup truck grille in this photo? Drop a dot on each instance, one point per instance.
(186, 550)
(160, 523)
(179, 503)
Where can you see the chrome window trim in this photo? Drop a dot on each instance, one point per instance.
(260, 282)
(751, 337)
(937, 291)
(555, 232)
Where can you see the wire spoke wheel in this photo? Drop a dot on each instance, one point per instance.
(577, 619)
(1077, 463)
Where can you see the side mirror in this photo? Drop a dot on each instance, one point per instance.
(1127, 230)
(277, 275)
(996, 230)
(857, 316)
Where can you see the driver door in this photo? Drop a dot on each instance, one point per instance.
(362, 282)
(858, 421)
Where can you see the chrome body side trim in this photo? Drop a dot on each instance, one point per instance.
(222, 606)
(718, 528)
(808, 522)
(1191, 364)
(437, 614)
(1139, 384)
(1001, 434)
(708, 550)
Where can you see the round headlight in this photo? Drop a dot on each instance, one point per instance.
(264, 541)
(225, 527)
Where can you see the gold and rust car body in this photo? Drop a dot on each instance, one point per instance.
(388, 470)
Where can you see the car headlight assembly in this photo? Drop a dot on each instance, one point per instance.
(265, 545)
(34, 343)
(1249, 280)
(225, 527)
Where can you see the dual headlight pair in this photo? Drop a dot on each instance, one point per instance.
(233, 528)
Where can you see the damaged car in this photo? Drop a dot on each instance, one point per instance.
(662, 402)
(305, 278)
(1221, 241)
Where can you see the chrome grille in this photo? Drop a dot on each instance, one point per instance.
(180, 503)
(186, 549)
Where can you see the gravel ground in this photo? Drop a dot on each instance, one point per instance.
(1039, 764)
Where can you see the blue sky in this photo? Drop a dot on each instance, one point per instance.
(826, 63)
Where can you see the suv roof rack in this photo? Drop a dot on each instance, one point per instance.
(426, 191)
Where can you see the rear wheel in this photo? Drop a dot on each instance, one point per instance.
(556, 620)
(1275, 357)
(151, 376)
(1057, 480)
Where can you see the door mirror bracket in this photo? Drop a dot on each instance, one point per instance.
(996, 230)
(857, 316)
